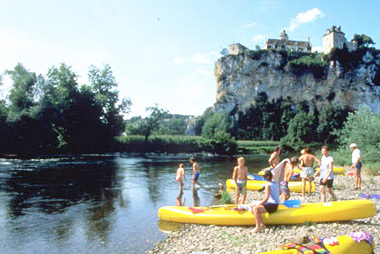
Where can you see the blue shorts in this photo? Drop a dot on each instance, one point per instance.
(359, 166)
(196, 176)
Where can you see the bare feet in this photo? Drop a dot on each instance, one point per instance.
(255, 230)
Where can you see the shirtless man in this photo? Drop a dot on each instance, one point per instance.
(289, 170)
(240, 177)
(196, 171)
(274, 158)
(307, 161)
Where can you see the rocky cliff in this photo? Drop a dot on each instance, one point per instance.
(241, 77)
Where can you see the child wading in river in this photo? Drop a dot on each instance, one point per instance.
(240, 177)
(269, 204)
(179, 175)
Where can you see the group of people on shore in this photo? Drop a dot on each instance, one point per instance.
(279, 174)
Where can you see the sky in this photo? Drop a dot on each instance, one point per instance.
(163, 51)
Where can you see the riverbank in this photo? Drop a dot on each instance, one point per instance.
(223, 239)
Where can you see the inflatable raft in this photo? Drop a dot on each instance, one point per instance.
(309, 212)
(254, 185)
(337, 171)
(354, 243)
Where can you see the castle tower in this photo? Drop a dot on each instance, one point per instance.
(334, 38)
(283, 36)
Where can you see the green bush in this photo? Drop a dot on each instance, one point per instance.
(363, 128)
(226, 198)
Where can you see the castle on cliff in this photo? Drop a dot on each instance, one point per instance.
(334, 38)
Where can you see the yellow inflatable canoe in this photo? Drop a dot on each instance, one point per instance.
(310, 212)
(337, 171)
(346, 245)
(254, 185)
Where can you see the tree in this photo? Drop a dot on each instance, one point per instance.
(152, 122)
(217, 122)
(362, 40)
(104, 85)
(21, 95)
(300, 130)
(224, 52)
(363, 128)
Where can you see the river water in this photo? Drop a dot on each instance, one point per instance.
(98, 203)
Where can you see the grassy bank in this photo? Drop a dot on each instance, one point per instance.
(189, 144)
(256, 147)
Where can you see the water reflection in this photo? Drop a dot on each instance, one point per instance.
(178, 200)
(34, 190)
(196, 199)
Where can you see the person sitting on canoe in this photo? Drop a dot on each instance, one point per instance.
(196, 171)
(289, 170)
(240, 175)
(179, 174)
(274, 158)
(327, 174)
(307, 162)
(269, 204)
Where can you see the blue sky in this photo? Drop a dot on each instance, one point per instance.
(163, 51)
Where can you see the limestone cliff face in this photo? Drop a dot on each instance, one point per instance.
(241, 77)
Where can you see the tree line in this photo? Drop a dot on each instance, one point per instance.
(53, 113)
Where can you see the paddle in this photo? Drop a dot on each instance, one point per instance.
(376, 196)
(292, 203)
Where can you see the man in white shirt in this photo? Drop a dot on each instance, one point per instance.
(327, 174)
(356, 165)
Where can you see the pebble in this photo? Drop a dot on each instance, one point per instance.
(202, 239)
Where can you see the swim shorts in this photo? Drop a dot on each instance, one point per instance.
(284, 188)
(270, 207)
(329, 183)
(196, 176)
(359, 166)
(307, 172)
(242, 185)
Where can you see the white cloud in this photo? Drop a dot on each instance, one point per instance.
(179, 60)
(259, 38)
(250, 25)
(305, 17)
(317, 49)
(201, 58)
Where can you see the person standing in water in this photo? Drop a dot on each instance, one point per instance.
(356, 165)
(179, 175)
(274, 158)
(196, 171)
(307, 173)
(240, 176)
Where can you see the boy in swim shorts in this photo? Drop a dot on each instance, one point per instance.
(240, 176)
(196, 171)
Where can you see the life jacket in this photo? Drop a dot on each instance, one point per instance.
(317, 246)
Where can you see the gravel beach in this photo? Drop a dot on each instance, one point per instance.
(202, 239)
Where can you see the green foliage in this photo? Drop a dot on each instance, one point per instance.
(221, 144)
(362, 40)
(54, 113)
(265, 120)
(314, 63)
(217, 122)
(300, 131)
(226, 198)
(363, 128)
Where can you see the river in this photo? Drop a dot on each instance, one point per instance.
(98, 203)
